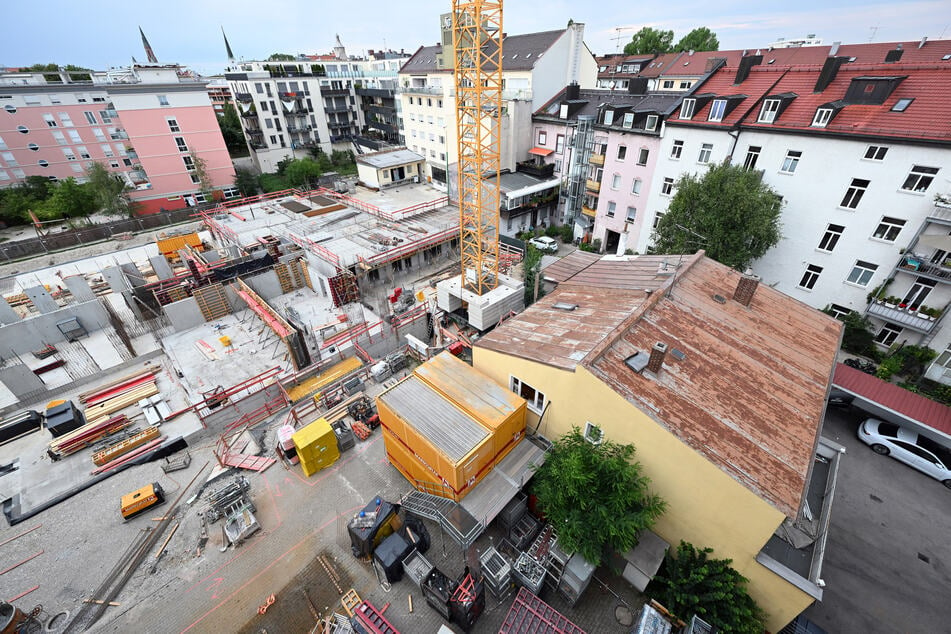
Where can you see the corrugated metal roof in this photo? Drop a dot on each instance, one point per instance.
(519, 52)
(567, 266)
(447, 427)
(897, 399)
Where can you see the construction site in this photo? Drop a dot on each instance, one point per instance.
(264, 424)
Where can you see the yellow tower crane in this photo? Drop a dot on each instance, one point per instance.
(477, 43)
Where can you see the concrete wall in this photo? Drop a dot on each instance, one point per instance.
(20, 380)
(184, 314)
(266, 285)
(705, 506)
(31, 334)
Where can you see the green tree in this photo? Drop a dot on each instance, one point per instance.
(230, 125)
(302, 172)
(245, 181)
(531, 269)
(109, 191)
(595, 495)
(280, 57)
(857, 337)
(69, 200)
(41, 68)
(700, 39)
(691, 583)
(205, 185)
(15, 204)
(648, 41)
(729, 211)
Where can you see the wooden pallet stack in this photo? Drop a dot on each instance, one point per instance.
(115, 396)
(87, 434)
(115, 450)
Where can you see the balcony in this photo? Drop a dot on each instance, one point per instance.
(339, 124)
(597, 159)
(376, 92)
(332, 92)
(119, 135)
(592, 185)
(587, 211)
(544, 171)
(287, 96)
(138, 177)
(917, 265)
(337, 108)
(250, 114)
(919, 322)
(243, 96)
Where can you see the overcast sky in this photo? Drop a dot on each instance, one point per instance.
(99, 34)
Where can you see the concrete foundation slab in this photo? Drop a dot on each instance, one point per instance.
(41, 299)
(100, 348)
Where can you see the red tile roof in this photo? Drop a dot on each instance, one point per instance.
(759, 83)
(897, 399)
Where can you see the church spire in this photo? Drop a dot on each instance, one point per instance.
(148, 49)
(227, 45)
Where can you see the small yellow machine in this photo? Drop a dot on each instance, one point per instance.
(142, 500)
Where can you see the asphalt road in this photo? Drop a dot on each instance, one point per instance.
(888, 559)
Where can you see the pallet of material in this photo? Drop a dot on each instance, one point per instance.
(107, 390)
(118, 403)
(132, 455)
(112, 452)
(87, 434)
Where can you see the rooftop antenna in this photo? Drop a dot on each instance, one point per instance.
(874, 31)
(617, 50)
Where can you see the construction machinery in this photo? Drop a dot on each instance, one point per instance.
(141, 500)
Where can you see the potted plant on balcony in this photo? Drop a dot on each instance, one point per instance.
(891, 302)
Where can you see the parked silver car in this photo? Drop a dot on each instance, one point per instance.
(544, 244)
(910, 447)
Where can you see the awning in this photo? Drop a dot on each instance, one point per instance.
(534, 189)
(540, 151)
(936, 241)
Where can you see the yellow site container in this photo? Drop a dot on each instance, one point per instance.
(316, 446)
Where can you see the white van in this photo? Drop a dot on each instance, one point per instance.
(924, 454)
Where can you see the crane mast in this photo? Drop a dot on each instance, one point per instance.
(477, 43)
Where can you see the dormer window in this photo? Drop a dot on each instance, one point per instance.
(767, 113)
(717, 110)
(687, 108)
(651, 122)
(608, 117)
(822, 117)
(901, 105)
(628, 120)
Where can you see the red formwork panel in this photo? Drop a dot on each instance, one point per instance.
(531, 615)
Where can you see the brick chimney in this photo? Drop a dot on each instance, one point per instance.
(745, 288)
(656, 361)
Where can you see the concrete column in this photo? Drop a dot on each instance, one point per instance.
(79, 287)
(161, 267)
(115, 278)
(7, 314)
(42, 300)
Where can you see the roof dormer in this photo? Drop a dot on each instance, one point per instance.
(871, 91)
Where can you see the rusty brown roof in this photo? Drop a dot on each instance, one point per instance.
(641, 272)
(743, 386)
(561, 270)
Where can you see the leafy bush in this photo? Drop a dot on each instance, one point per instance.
(692, 583)
(858, 338)
(567, 233)
(531, 269)
(552, 231)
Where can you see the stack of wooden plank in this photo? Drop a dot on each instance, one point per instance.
(106, 400)
(118, 449)
(87, 434)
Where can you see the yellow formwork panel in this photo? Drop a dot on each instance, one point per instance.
(316, 446)
(316, 383)
(173, 244)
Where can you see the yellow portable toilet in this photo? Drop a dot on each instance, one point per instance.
(316, 446)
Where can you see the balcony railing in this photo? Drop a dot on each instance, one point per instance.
(343, 108)
(339, 124)
(334, 91)
(138, 176)
(597, 159)
(592, 185)
(376, 92)
(533, 169)
(587, 211)
(118, 135)
(243, 96)
(902, 316)
(250, 114)
(918, 266)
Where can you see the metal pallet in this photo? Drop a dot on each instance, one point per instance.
(529, 614)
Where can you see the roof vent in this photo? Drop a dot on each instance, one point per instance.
(720, 299)
(923, 41)
(680, 355)
(637, 362)
(564, 306)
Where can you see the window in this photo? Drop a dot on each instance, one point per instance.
(887, 336)
(621, 152)
(50, 121)
(616, 181)
(831, 237)
(106, 116)
(231, 192)
(73, 136)
(854, 193)
(612, 207)
(944, 359)
(83, 152)
(657, 217)
(768, 112)
(3, 145)
(10, 108)
(43, 163)
(642, 156)
(636, 187)
(113, 163)
(791, 162)
(559, 144)
(106, 150)
(862, 273)
(651, 122)
(536, 400)
(902, 104)
(180, 142)
(685, 84)
(822, 117)
(875, 152)
(919, 179)
(194, 178)
(22, 129)
(752, 155)
(173, 124)
(593, 434)
(542, 137)
(687, 108)
(90, 117)
(99, 134)
(59, 136)
(608, 117)
(628, 120)
(668, 83)
(33, 147)
(839, 312)
(918, 292)
(810, 277)
(10, 159)
(667, 188)
(189, 163)
(717, 110)
(4, 176)
(676, 150)
(65, 120)
(631, 214)
(888, 229)
(705, 151)
(162, 100)
(68, 153)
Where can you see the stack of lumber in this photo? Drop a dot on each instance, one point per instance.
(116, 395)
(113, 451)
(87, 434)
(135, 453)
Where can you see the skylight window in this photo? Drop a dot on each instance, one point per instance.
(901, 105)
(946, 57)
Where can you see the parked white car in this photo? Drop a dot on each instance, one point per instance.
(544, 244)
(910, 447)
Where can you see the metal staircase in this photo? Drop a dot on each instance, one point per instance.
(453, 518)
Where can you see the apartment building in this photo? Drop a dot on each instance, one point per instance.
(146, 123)
(287, 108)
(219, 92)
(859, 152)
(535, 67)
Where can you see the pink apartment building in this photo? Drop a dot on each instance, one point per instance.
(613, 166)
(145, 123)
